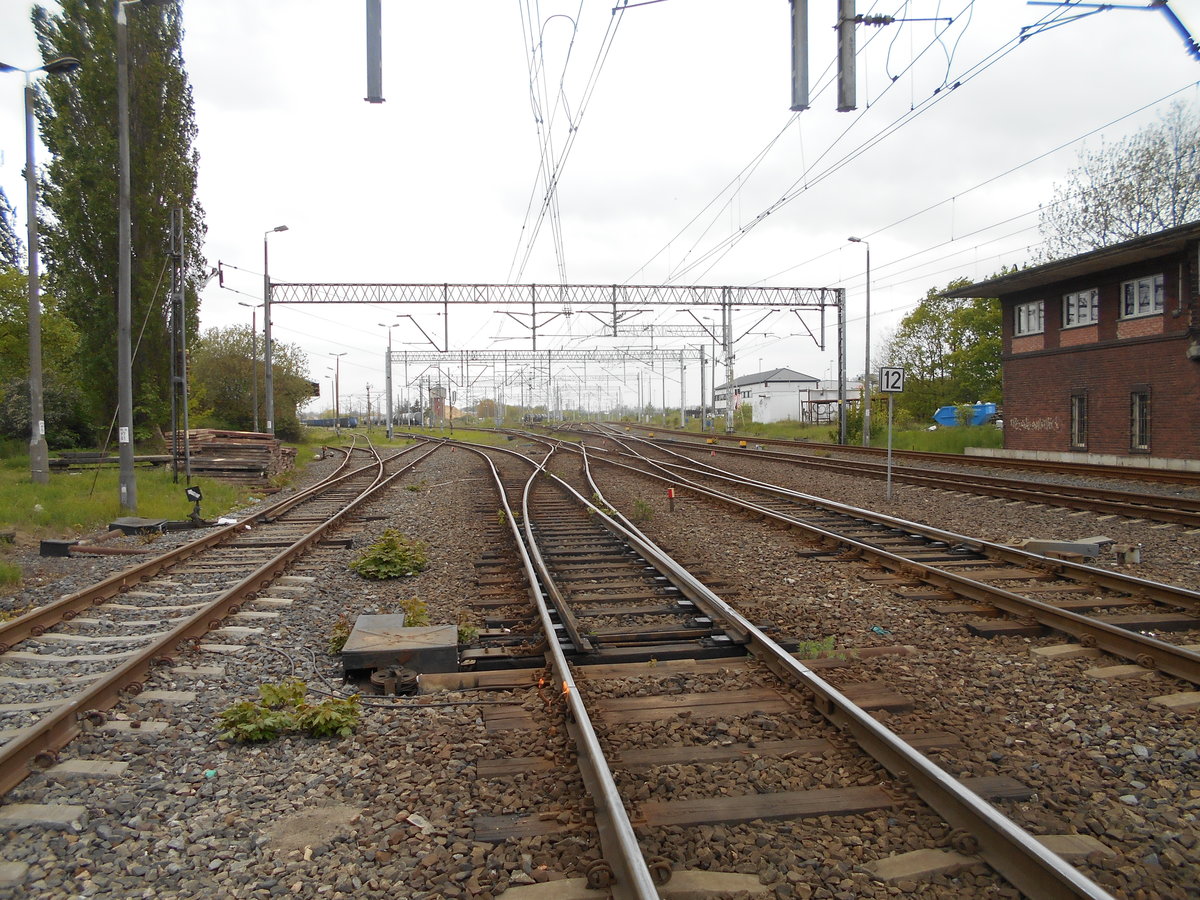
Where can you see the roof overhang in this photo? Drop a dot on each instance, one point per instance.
(1162, 243)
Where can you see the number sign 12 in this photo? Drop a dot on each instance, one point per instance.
(891, 380)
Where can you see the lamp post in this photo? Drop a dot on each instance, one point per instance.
(253, 307)
(39, 463)
(388, 378)
(337, 391)
(866, 389)
(269, 384)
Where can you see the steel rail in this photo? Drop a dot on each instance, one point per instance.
(1170, 594)
(1127, 473)
(1008, 848)
(631, 877)
(1146, 651)
(1157, 507)
(37, 621)
(43, 739)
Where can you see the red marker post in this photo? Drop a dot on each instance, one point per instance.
(671, 498)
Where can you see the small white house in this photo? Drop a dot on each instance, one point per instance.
(774, 395)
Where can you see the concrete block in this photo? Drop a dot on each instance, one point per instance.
(1184, 701)
(45, 815)
(919, 865)
(1065, 651)
(180, 697)
(1072, 847)
(88, 768)
(1109, 673)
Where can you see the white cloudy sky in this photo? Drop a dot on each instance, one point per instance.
(664, 165)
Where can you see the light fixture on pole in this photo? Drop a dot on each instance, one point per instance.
(268, 382)
(866, 388)
(337, 390)
(388, 378)
(253, 307)
(39, 462)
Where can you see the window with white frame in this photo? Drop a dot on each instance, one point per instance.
(1029, 318)
(1081, 308)
(1142, 297)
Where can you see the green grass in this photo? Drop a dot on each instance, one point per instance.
(77, 503)
(944, 440)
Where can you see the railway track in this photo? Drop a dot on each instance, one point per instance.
(626, 580)
(805, 449)
(925, 564)
(1176, 509)
(105, 639)
(706, 748)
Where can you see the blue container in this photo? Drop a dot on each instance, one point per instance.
(981, 414)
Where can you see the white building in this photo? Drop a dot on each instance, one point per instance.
(774, 395)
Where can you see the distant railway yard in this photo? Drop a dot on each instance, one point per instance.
(618, 663)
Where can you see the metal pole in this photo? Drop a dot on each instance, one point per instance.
(39, 463)
(891, 398)
(867, 364)
(268, 379)
(254, 360)
(390, 431)
(682, 404)
(183, 357)
(727, 341)
(128, 485)
(841, 351)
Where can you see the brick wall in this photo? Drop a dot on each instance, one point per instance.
(1038, 389)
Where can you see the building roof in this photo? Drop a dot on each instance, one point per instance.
(1162, 243)
(772, 375)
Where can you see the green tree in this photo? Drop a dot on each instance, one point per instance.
(78, 119)
(221, 375)
(11, 248)
(1142, 184)
(950, 352)
(67, 424)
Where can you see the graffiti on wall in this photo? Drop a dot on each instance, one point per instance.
(1033, 423)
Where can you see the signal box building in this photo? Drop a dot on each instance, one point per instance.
(1102, 351)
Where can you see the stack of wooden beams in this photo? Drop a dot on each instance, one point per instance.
(244, 456)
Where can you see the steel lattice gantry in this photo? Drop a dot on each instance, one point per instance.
(617, 301)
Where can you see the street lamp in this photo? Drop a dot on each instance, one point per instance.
(39, 463)
(388, 378)
(337, 390)
(253, 307)
(866, 389)
(269, 384)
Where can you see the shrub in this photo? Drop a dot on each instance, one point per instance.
(339, 634)
(416, 613)
(282, 710)
(394, 555)
(642, 512)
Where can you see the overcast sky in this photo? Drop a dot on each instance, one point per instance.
(684, 142)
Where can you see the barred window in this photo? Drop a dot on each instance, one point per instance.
(1139, 420)
(1079, 421)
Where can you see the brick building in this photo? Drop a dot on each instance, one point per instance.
(1102, 351)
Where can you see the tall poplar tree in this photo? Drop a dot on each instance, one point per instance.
(79, 125)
